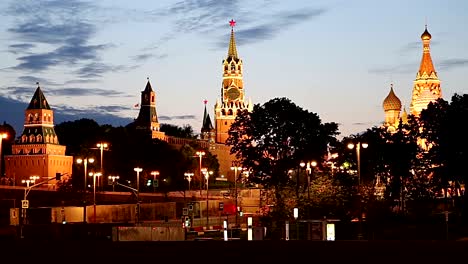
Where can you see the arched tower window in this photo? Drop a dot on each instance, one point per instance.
(233, 67)
(230, 112)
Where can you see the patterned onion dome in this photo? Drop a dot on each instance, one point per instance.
(391, 102)
(426, 35)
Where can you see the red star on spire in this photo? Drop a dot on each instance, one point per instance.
(232, 23)
(205, 101)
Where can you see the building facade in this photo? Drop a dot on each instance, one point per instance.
(37, 152)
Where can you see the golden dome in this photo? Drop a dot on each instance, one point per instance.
(391, 102)
(426, 35)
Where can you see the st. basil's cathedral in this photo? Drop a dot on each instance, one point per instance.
(426, 89)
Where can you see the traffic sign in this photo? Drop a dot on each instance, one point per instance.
(24, 203)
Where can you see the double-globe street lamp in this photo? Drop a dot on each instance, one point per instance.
(155, 176)
(358, 159)
(102, 146)
(85, 164)
(138, 170)
(310, 166)
(236, 168)
(207, 177)
(113, 178)
(200, 155)
(189, 176)
(94, 175)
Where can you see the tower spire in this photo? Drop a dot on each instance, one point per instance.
(426, 61)
(232, 52)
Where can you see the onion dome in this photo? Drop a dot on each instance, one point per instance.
(426, 35)
(391, 102)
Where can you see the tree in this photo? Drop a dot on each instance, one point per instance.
(274, 138)
(185, 131)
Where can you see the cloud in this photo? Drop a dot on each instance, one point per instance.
(61, 28)
(447, 64)
(20, 48)
(96, 70)
(399, 69)
(85, 92)
(269, 29)
(182, 117)
(32, 80)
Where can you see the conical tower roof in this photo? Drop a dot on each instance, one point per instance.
(426, 61)
(391, 102)
(207, 125)
(38, 100)
(232, 51)
(148, 87)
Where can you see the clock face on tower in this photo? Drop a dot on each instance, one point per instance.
(233, 93)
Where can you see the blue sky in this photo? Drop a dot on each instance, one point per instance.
(334, 58)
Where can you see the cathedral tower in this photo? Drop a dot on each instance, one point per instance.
(232, 91)
(392, 108)
(37, 151)
(426, 87)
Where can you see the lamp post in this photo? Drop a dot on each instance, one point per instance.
(102, 146)
(189, 176)
(94, 175)
(85, 164)
(358, 159)
(207, 177)
(200, 154)
(309, 172)
(113, 178)
(2, 136)
(155, 174)
(235, 168)
(27, 182)
(138, 170)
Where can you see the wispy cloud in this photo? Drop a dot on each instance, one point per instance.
(62, 29)
(447, 64)
(271, 28)
(182, 117)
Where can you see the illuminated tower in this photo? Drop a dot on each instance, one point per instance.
(208, 132)
(37, 151)
(147, 119)
(392, 108)
(426, 87)
(232, 91)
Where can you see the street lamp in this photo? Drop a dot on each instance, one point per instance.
(358, 158)
(200, 154)
(155, 174)
(207, 177)
(138, 170)
(85, 164)
(94, 175)
(189, 176)
(102, 146)
(113, 178)
(235, 168)
(27, 182)
(309, 171)
(2, 136)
